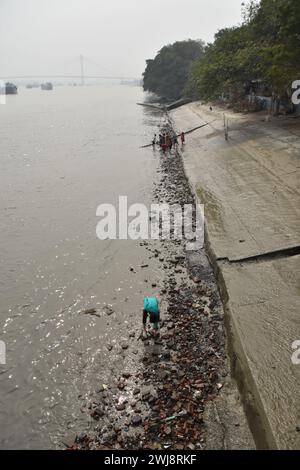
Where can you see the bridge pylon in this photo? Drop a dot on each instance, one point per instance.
(82, 69)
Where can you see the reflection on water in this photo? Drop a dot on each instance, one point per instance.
(64, 153)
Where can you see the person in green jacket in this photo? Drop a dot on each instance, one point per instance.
(151, 310)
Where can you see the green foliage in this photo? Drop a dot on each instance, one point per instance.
(168, 73)
(266, 46)
(226, 63)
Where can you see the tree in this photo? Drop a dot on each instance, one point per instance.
(167, 74)
(278, 25)
(266, 46)
(225, 67)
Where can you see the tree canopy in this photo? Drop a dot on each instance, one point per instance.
(266, 47)
(167, 74)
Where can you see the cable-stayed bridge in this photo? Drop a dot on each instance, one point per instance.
(84, 62)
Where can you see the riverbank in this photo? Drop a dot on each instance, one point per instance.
(175, 393)
(249, 185)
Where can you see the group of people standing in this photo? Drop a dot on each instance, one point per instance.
(167, 141)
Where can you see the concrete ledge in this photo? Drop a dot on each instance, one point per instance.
(261, 297)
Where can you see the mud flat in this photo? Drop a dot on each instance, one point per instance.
(250, 188)
(175, 392)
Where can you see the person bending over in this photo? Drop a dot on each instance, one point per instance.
(151, 310)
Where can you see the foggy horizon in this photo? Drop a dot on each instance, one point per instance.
(38, 37)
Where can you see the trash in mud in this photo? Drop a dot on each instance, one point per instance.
(91, 311)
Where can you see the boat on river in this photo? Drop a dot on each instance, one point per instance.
(47, 86)
(9, 89)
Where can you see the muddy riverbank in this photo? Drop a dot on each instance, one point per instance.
(168, 394)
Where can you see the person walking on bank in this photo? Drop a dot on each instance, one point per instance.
(164, 144)
(168, 141)
(182, 137)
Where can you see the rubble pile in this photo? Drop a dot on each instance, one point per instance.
(188, 371)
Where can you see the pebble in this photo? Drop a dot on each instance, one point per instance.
(126, 375)
(108, 310)
(136, 420)
(120, 406)
(69, 439)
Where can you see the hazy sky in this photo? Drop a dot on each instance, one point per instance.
(47, 36)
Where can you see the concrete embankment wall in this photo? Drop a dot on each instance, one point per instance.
(249, 186)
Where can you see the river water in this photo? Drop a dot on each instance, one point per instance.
(62, 154)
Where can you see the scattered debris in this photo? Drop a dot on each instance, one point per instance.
(70, 439)
(182, 371)
(91, 311)
(108, 310)
(136, 420)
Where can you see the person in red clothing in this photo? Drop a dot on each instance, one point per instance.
(182, 137)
